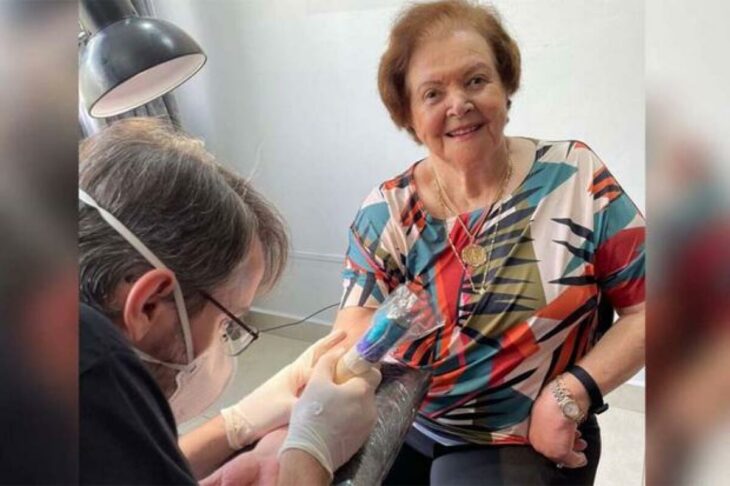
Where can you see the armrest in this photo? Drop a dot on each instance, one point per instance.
(397, 400)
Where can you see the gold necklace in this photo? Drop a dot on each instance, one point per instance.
(474, 255)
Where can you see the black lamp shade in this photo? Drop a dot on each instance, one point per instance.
(134, 61)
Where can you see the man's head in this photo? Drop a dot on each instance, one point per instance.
(214, 234)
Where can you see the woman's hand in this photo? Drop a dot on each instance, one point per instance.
(554, 435)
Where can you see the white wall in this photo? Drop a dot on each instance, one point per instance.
(295, 81)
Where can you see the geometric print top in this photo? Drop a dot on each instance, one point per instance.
(569, 249)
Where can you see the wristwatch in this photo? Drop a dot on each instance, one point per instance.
(566, 402)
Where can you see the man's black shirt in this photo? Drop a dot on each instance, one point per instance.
(127, 430)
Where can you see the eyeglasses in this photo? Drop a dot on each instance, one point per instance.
(237, 335)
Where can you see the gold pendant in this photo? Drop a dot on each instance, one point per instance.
(474, 255)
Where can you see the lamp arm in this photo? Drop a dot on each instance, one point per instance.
(95, 14)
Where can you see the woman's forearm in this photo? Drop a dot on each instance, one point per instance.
(355, 321)
(617, 356)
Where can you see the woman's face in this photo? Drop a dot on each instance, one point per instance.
(457, 100)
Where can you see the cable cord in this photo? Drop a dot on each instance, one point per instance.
(300, 321)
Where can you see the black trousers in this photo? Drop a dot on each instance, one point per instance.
(421, 462)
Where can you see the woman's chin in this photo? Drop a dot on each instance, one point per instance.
(467, 155)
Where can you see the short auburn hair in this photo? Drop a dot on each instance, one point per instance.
(419, 21)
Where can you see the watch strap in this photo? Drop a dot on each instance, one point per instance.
(594, 393)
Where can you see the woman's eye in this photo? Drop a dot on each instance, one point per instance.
(430, 95)
(477, 81)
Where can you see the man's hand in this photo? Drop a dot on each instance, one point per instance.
(269, 406)
(331, 422)
(553, 435)
(297, 467)
(301, 369)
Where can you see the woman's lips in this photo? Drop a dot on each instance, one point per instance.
(464, 131)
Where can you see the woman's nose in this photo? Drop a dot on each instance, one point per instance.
(460, 104)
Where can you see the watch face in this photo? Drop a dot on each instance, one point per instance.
(571, 410)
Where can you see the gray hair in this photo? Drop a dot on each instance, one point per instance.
(198, 217)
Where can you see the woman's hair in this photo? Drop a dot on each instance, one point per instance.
(418, 22)
(198, 218)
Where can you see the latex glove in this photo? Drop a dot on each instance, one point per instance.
(329, 421)
(301, 369)
(554, 435)
(269, 406)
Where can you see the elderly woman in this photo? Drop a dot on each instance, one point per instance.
(526, 246)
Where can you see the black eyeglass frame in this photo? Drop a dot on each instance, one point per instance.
(250, 330)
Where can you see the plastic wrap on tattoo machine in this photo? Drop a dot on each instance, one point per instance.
(406, 314)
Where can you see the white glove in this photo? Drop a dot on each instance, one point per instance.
(269, 406)
(329, 421)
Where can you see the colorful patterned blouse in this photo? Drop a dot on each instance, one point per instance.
(569, 247)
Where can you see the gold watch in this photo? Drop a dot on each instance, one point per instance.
(568, 405)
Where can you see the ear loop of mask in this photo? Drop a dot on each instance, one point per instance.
(155, 262)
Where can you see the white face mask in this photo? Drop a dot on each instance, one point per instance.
(200, 383)
(204, 379)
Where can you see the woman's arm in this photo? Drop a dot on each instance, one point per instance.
(617, 356)
(354, 321)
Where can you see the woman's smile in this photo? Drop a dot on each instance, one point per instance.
(464, 132)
